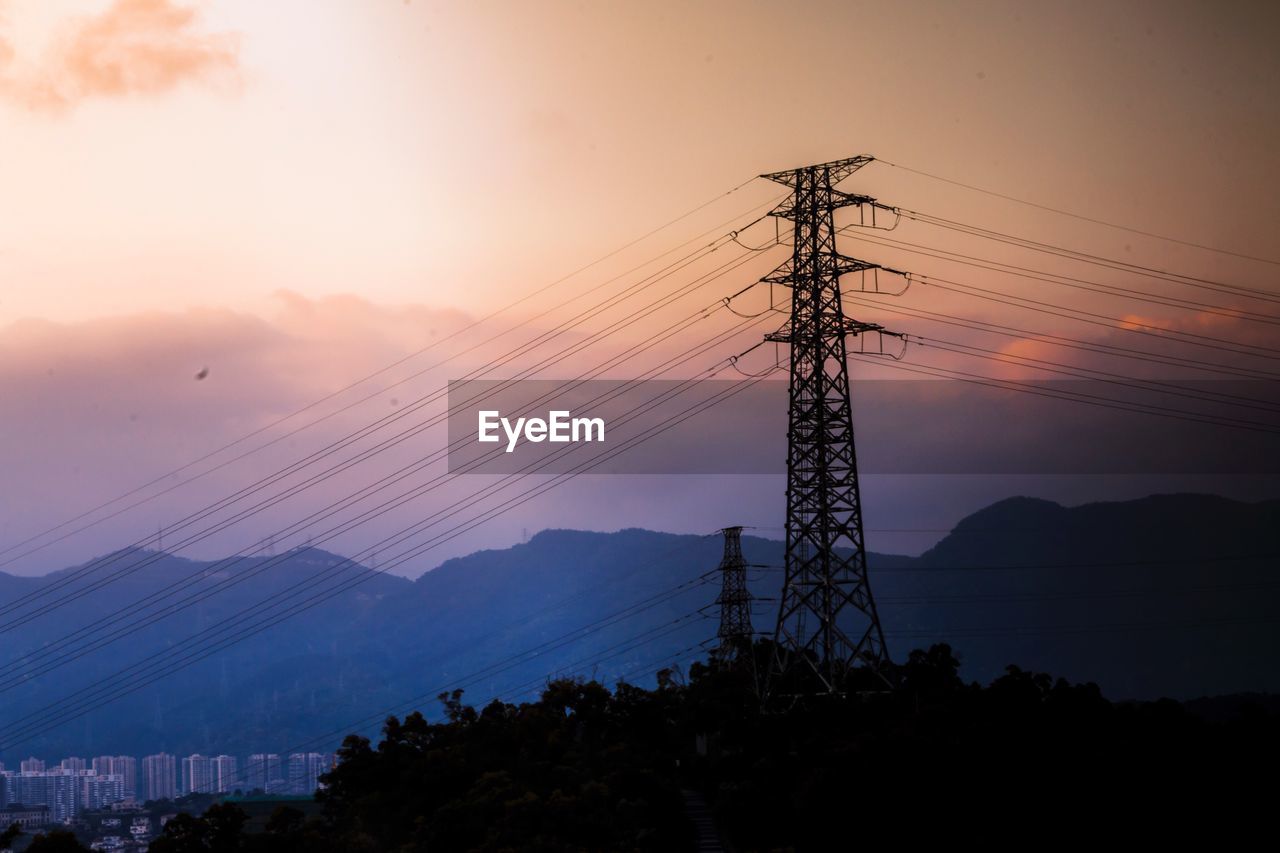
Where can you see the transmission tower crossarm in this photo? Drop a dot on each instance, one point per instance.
(786, 208)
(857, 327)
(836, 170)
(839, 264)
(851, 327)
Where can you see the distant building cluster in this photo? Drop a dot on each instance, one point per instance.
(38, 793)
(70, 787)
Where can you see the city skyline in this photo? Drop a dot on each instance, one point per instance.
(75, 785)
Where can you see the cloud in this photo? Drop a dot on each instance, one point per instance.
(259, 368)
(90, 410)
(133, 47)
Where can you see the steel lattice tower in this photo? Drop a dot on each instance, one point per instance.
(827, 621)
(735, 599)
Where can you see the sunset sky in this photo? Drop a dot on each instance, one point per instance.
(295, 194)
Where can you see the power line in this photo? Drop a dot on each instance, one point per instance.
(378, 393)
(1097, 260)
(563, 353)
(1155, 385)
(1067, 342)
(1095, 319)
(1224, 344)
(1073, 396)
(918, 633)
(1081, 217)
(1098, 376)
(109, 619)
(1113, 564)
(144, 620)
(1092, 374)
(574, 669)
(1019, 598)
(243, 576)
(616, 650)
(83, 706)
(503, 665)
(421, 403)
(1088, 285)
(996, 631)
(519, 657)
(64, 714)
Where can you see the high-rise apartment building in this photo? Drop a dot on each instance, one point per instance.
(264, 772)
(97, 791)
(124, 766)
(224, 769)
(60, 790)
(197, 774)
(305, 769)
(159, 777)
(202, 774)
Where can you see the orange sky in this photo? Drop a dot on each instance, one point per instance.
(298, 192)
(162, 155)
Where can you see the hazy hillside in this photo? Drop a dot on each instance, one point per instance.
(1173, 595)
(1168, 595)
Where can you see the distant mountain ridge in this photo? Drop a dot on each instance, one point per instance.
(1168, 595)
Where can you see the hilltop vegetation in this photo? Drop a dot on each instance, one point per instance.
(584, 768)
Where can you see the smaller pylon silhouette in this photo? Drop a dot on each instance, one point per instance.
(735, 600)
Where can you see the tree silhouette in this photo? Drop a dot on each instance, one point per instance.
(56, 841)
(220, 830)
(588, 768)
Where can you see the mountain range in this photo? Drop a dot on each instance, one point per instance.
(1170, 595)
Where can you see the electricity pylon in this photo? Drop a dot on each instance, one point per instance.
(735, 601)
(827, 621)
